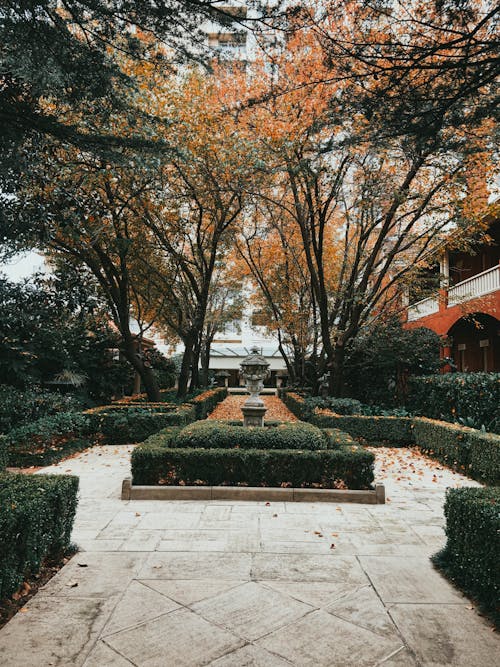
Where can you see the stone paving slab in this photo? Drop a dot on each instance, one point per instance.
(249, 583)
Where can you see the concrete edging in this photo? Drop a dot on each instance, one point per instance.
(371, 496)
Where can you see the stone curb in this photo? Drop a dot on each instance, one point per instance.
(371, 497)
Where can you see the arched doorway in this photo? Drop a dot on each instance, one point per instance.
(476, 343)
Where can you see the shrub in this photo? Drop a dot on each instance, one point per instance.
(350, 467)
(215, 434)
(474, 452)
(18, 407)
(128, 424)
(446, 442)
(341, 406)
(470, 398)
(393, 430)
(470, 557)
(337, 438)
(4, 453)
(48, 439)
(296, 403)
(205, 402)
(36, 518)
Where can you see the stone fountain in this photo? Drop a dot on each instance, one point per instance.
(254, 370)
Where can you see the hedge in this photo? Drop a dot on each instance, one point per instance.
(128, 421)
(220, 435)
(36, 519)
(134, 424)
(49, 439)
(471, 451)
(473, 399)
(337, 438)
(392, 430)
(348, 467)
(470, 557)
(22, 406)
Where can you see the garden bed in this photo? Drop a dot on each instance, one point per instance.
(287, 456)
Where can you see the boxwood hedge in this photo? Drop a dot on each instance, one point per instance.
(472, 398)
(36, 519)
(347, 467)
(49, 439)
(375, 430)
(470, 557)
(287, 435)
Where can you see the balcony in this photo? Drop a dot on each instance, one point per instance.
(423, 308)
(483, 283)
(479, 285)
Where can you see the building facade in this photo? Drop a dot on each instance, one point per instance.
(465, 312)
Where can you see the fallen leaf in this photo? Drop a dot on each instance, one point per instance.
(268, 504)
(332, 546)
(82, 564)
(72, 584)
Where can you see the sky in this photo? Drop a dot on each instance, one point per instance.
(22, 266)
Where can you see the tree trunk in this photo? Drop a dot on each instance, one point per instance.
(205, 360)
(187, 357)
(146, 372)
(337, 371)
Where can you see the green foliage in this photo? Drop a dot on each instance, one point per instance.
(48, 327)
(124, 424)
(380, 359)
(164, 368)
(4, 453)
(375, 430)
(341, 406)
(18, 406)
(472, 399)
(350, 467)
(36, 518)
(205, 402)
(470, 557)
(219, 435)
(337, 438)
(459, 447)
(48, 439)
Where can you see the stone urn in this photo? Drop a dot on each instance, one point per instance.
(254, 370)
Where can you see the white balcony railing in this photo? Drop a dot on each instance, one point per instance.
(422, 308)
(483, 283)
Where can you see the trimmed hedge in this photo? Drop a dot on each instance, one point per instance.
(49, 439)
(22, 406)
(133, 421)
(474, 452)
(470, 557)
(337, 438)
(36, 519)
(135, 424)
(470, 398)
(350, 467)
(288, 435)
(393, 430)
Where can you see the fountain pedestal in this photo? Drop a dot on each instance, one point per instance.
(254, 369)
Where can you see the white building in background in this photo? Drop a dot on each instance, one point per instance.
(234, 343)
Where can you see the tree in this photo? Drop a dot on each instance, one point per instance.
(370, 196)
(382, 356)
(58, 327)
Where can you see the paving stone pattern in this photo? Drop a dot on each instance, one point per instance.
(231, 584)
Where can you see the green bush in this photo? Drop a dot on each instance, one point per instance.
(296, 403)
(134, 424)
(376, 430)
(215, 434)
(4, 453)
(470, 557)
(471, 451)
(341, 406)
(205, 402)
(337, 438)
(36, 518)
(49, 439)
(472, 399)
(350, 467)
(18, 407)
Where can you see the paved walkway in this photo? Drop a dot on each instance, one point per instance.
(160, 584)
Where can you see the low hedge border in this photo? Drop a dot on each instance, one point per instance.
(49, 439)
(468, 450)
(373, 430)
(348, 467)
(220, 435)
(470, 557)
(36, 519)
